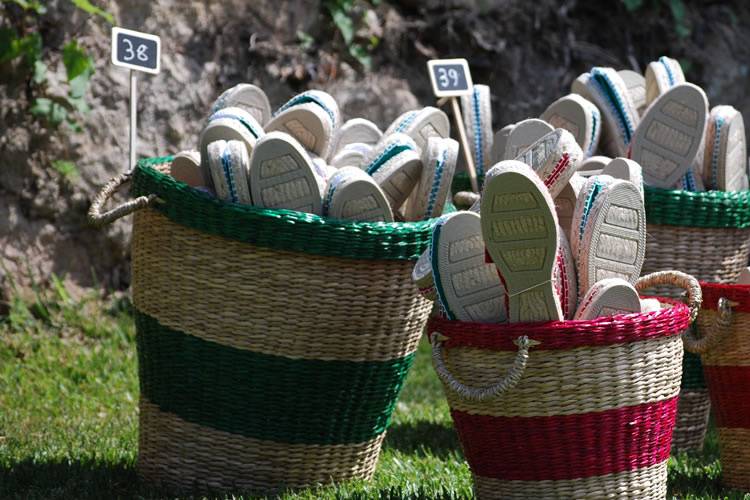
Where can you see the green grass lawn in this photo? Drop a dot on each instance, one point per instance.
(69, 427)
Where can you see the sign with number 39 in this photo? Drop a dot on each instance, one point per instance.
(136, 50)
(449, 77)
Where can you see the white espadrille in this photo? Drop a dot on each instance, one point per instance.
(228, 164)
(421, 275)
(662, 75)
(580, 117)
(438, 166)
(555, 158)
(396, 166)
(579, 86)
(619, 115)
(524, 134)
(186, 167)
(312, 117)
(608, 297)
(726, 150)
(282, 175)
(352, 155)
(566, 282)
(625, 169)
(469, 288)
(477, 114)
(421, 124)
(248, 97)
(565, 202)
(520, 231)
(669, 136)
(593, 165)
(354, 195)
(636, 85)
(356, 131)
(499, 143)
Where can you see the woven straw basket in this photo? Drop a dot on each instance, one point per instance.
(272, 344)
(706, 235)
(585, 409)
(724, 321)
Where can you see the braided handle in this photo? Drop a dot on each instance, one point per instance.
(98, 218)
(716, 333)
(678, 279)
(508, 382)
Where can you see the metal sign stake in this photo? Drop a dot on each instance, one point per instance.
(465, 144)
(133, 117)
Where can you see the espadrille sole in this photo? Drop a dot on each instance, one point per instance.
(228, 124)
(500, 142)
(608, 297)
(438, 166)
(619, 116)
(228, 164)
(661, 76)
(469, 288)
(565, 202)
(477, 114)
(351, 155)
(395, 165)
(427, 122)
(555, 158)
(593, 165)
(636, 85)
(307, 123)
(565, 277)
(422, 276)
(627, 170)
(524, 134)
(578, 116)
(613, 244)
(357, 130)
(248, 97)
(520, 230)
(354, 195)
(282, 175)
(186, 167)
(728, 154)
(668, 138)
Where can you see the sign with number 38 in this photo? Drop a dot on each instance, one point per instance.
(136, 50)
(449, 77)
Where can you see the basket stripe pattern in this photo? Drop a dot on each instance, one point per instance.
(262, 368)
(726, 363)
(592, 413)
(705, 234)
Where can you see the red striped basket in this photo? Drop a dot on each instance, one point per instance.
(583, 409)
(724, 346)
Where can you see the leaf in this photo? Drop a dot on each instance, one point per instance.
(361, 55)
(9, 48)
(41, 107)
(34, 5)
(40, 72)
(87, 6)
(343, 23)
(77, 62)
(67, 169)
(78, 86)
(680, 19)
(632, 5)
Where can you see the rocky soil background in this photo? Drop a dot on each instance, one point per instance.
(528, 52)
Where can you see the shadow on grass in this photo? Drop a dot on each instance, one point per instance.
(420, 437)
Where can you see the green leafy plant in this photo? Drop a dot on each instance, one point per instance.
(342, 14)
(676, 8)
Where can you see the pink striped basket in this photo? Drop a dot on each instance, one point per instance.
(582, 409)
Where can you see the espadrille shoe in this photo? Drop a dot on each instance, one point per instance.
(608, 297)
(228, 164)
(555, 158)
(566, 283)
(352, 155)
(593, 165)
(670, 133)
(356, 131)
(578, 116)
(282, 175)
(726, 150)
(438, 166)
(469, 288)
(619, 116)
(627, 170)
(524, 134)
(636, 85)
(228, 124)
(421, 124)
(186, 167)
(661, 76)
(611, 222)
(580, 86)
(500, 142)
(565, 202)
(650, 305)
(520, 230)
(477, 114)
(396, 166)
(354, 195)
(312, 118)
(422, 276)
(248, 97)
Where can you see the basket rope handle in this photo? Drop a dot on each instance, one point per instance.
(96, 215)
(678, 279)
(511, 379)
(715, 334)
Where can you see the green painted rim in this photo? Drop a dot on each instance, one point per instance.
(279, 229)
(675, 207)
(296, 401)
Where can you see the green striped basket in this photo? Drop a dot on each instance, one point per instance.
(272, 344)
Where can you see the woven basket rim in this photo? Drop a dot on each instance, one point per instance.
(364, 240)
(712, 292)
(569, 334)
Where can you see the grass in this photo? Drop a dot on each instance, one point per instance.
(68, 416)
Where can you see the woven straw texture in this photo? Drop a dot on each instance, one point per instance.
(584, 408)
(725, 351)
(263, 369)
(707, 235)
